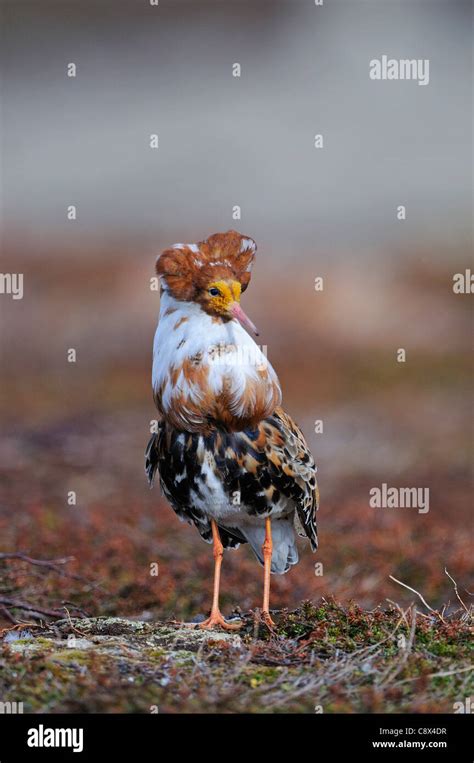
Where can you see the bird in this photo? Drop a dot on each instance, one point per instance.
(230, 460)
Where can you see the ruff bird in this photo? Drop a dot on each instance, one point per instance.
(229, 459)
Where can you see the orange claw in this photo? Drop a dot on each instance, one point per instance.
(267, 619)
(216, 619)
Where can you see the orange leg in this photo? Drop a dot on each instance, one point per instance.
(216, 617)
(267, 549)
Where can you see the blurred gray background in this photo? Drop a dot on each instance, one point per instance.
(246, 141)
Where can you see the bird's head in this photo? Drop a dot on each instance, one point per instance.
(213, 274)
(222, 299)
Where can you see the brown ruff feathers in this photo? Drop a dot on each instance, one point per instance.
(222, 256)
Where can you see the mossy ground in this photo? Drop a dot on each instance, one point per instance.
(320, 658)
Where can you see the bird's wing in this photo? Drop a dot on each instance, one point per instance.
(290, 467)
(267, 462)
(152, 456)
(173, 455)
(166, 453)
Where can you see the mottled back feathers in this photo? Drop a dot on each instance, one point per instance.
(258, 466)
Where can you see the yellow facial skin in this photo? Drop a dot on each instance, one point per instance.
(229, 292)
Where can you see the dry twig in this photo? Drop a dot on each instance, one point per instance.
(413, 590)
(456, 590)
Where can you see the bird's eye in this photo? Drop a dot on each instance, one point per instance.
(214, 292)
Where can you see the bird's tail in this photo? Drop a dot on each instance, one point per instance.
(284, 554)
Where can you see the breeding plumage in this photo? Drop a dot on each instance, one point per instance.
(229, 459)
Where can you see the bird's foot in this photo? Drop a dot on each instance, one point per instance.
(216, 620)
(267, 619)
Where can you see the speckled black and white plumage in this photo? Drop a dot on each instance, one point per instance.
(238, 479)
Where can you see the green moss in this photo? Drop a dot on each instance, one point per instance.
(262, 676)
(154, 653)
(186, 671)
(71, 655)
